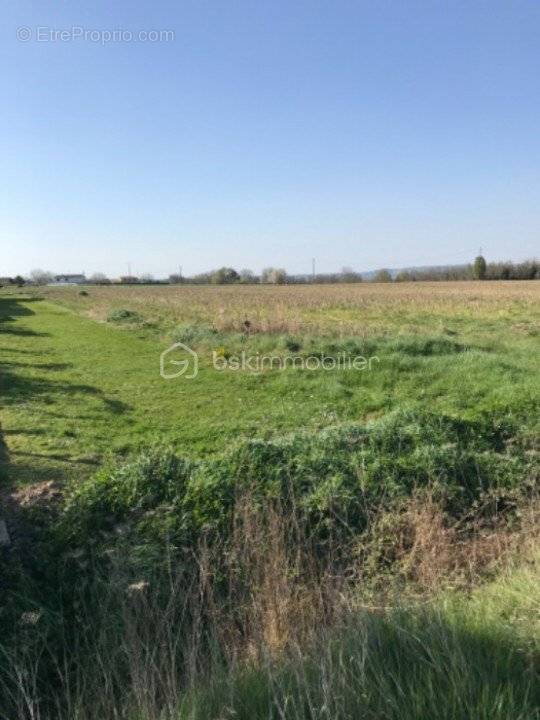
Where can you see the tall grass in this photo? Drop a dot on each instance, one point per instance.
(453, 660)
(317, 309)
(265, 626)
(293, 578)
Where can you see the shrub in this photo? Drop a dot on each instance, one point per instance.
(335, 478)
(192, 333)
(124, 316)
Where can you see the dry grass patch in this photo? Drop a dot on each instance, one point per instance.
(329, 309)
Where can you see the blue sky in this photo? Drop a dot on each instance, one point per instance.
(366, 134)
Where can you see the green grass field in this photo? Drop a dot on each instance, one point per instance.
(297, 544)
(75, 390)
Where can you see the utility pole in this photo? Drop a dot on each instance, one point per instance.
(312, 269)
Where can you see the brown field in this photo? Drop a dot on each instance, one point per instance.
(370, 308)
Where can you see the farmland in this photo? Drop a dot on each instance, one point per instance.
(95, 388)
(258, 504)
(370, 308)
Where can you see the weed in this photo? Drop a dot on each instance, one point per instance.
(124, 316)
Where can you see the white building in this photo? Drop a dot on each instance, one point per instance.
(69, 280)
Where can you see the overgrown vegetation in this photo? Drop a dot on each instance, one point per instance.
(282, 544)
(196, 582)
(124, 316)
(75, 391)
(268, 621)
(460, 659)
(336, 479)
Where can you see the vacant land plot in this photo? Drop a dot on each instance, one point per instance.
(80, 378)
(233, 540)
(311, 309)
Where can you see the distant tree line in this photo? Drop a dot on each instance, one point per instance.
(268, 276)
(230, 276)
(17, 280)
(478, 270)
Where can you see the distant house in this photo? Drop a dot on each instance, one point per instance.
(68, 280)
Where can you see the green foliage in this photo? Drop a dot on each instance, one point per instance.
(404, 276)
(192, 334)
(340, 473)
(457, 415)
(480, 268)
(224, 276)
(292, 344)
(124, 316)
(424, 346)
(100, 392)
(382, 276)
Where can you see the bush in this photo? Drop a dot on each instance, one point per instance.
(335, 478)
(191, 333)
(124, 316)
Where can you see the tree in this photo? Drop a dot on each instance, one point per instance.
(201, 278)
(18, 280)
(224, 276)
(275, 276)
(248, 276)
(176, 279)
(41, 277)
(404, 276)
(382, 276)
(348, 275)
(480, 268)
(99, 279)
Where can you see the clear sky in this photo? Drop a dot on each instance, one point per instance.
(367, 134)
